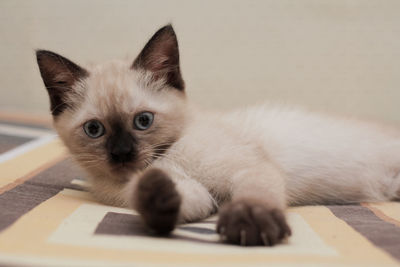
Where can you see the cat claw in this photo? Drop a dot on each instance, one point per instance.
(264, 239)
(242, 237)
(248, 224)
(222, 235)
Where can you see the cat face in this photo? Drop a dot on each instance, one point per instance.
(118, 117)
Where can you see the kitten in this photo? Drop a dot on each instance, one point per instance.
(146, 147)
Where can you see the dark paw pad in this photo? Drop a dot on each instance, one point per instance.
(248, 224)
(157, 201)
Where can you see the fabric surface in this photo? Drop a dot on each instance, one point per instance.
(48, 219)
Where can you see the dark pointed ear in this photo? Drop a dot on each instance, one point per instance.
(161, 56)
(59, 75)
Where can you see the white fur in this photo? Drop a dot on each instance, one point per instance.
(252, 153)
(326, 159)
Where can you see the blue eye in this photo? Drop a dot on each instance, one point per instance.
(93, 129)
(143, 121)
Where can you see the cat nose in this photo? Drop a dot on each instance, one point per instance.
(121, 145)
(121, 154)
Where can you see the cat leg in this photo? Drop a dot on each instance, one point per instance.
(165, 197)
(255, 216)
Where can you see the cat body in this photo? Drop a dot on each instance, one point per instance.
(326, 159)
(145, 146)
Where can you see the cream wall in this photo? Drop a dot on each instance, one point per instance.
(341, 56)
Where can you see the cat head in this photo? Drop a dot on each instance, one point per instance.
(118, 117)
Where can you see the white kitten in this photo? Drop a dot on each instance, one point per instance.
(143, 145)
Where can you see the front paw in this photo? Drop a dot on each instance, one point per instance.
(157, 201)
(247, 223)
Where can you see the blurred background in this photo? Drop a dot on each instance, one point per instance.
(331, 55)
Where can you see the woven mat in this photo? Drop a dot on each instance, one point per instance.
(48, 219)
